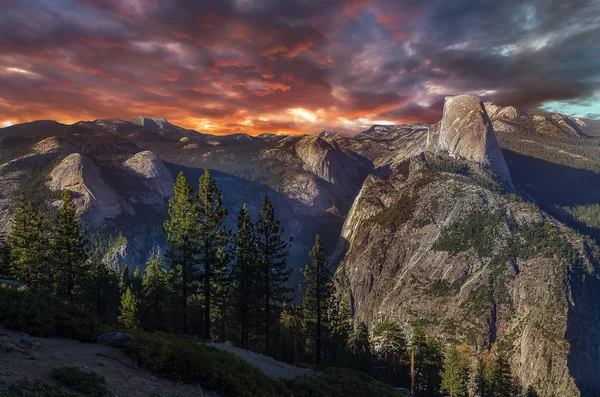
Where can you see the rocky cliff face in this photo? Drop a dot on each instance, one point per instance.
(154, 176)
(439, 243)
(466, 132)
(95, 200)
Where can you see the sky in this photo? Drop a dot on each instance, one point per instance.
(293, 66)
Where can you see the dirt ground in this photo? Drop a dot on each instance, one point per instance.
(123, 378)
(270, 366)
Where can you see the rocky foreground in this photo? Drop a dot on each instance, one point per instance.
(26, 358)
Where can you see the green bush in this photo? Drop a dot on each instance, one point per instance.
(39, 313)
(88, 383)
(33, 389)
(186, 361)
(340, 382)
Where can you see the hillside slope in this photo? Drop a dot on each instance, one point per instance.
(440, 243)
(123, 377)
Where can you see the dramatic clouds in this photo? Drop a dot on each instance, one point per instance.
(257, 66)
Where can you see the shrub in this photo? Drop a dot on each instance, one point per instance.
(39, 313)
(88, 383)
(340, 382)
(33, 389)
(186, 361)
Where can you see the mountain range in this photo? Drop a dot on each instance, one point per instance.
(484, 227)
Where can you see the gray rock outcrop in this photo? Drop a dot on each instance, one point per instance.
(94, 199)
(467, 132)
(155, 176)
(116, 339)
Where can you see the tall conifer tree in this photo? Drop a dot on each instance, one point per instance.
(69, 251)
(181, 230)
(246, 275)
(28, 246)
(125, 280)
(273, 252)
(455, 376)
(101, 288)
(389, 344)
(129, 310)
(212, 245)
(155, 291)
(317, 296)
(5, 271)
(136, 283)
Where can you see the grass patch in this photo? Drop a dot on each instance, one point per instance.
(88, 383)
(33, 389)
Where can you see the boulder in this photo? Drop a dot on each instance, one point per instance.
(30, 343)
(116, 339)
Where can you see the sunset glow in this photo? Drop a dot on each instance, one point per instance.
(293, 66)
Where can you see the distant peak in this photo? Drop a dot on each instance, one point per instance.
(149, 122)
(329, 134)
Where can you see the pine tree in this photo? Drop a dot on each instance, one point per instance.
(28, 246)
(493, 375)
(273, 252)
(291, 319)
(246, 275)
(212, 244)
(101, 288)
(455, 376)
(136, 283)
(485, 375)
(181, 231)
(129, 310)
(125, 280)
(389, 344)
(222, 294)
(5, 264)
(340, 326)
(504, 381)
(69, 254)
(426, 363)
(359, 341)
(317, 296)
(155, 291)
(417, 371)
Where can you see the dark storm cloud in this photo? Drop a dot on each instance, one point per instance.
(295, 65)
